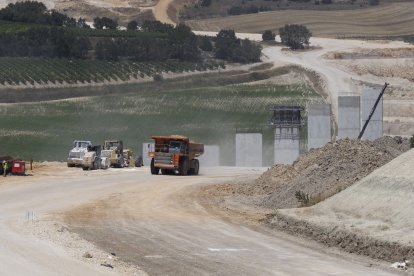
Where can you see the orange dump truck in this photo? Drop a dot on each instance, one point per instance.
(175, 154)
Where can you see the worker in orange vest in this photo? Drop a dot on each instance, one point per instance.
(5, 167)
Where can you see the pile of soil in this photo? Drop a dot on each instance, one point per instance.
(323, 172)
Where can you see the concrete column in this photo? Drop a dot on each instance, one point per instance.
(286, 145)
(319, 125)
(348, 116)
(146, 147)
(249, 149)
(211, 156)
(374, 129)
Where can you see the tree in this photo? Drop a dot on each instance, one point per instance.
(226, 42)
(156, 26)
(205, 44)
(205, 3)
(295, 36)
(104, 22)
(268, 35)
(132, 25)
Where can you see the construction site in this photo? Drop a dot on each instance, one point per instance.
(300, 164)
(339, 206)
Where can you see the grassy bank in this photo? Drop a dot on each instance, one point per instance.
(45, 130)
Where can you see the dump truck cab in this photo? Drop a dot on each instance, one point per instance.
(77, 152)
(114, 151)
(175, 154)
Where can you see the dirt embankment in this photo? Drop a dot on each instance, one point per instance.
(322, 175)
(318, 174)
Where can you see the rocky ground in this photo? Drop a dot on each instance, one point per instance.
(327, 176)
(318, 174)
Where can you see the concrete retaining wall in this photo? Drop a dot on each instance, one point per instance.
(145, 149)
(319, 125)
(348, 116)
(249, 149)
(374, 129)
(211, 156)
(286, 150)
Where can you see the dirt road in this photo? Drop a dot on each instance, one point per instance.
(153, 221)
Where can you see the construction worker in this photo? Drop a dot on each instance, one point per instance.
(5, 167)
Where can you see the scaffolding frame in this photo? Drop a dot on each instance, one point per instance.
(285, 119)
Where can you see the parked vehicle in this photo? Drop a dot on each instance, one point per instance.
(175, 154)
(114, 151)
(77, 152)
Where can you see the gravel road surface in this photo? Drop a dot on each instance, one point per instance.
(154, 222)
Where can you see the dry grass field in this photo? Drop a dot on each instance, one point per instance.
(394, 19)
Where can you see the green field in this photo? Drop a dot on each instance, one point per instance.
(45, 130)
(30, 71)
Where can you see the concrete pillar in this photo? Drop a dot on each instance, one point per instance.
(348, 116)
(146, 147)
(374, 129)
(211, 156)
(319, 125)
(286, 145)
(249, 149)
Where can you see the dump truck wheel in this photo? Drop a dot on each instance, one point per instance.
(85, 168)
(154, 170)
(196, 167)
(183, 167)
(165, 172)
(71, 165)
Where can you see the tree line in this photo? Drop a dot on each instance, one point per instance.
(50, 38)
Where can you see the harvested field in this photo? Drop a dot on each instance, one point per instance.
(384, 68)
(387, 20)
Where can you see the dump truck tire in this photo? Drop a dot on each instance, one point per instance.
(194, 167)
(165, 172)
(183, 167)
(71, 165)
(85, 168)
(154, 170)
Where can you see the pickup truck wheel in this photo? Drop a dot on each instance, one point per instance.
(154, 170)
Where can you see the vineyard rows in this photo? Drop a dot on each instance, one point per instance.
(30, 71)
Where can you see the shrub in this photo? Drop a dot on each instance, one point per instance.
(268, 35)
(295, 36)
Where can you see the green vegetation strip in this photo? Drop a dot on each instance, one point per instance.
(30, 71)
(45, 130)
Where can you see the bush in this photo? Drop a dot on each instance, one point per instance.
(295, 36)
(229, 47)
(204, 43)
(205, 3)
(268, 35)
(132, 25)
(158, 77)
(104, 22)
